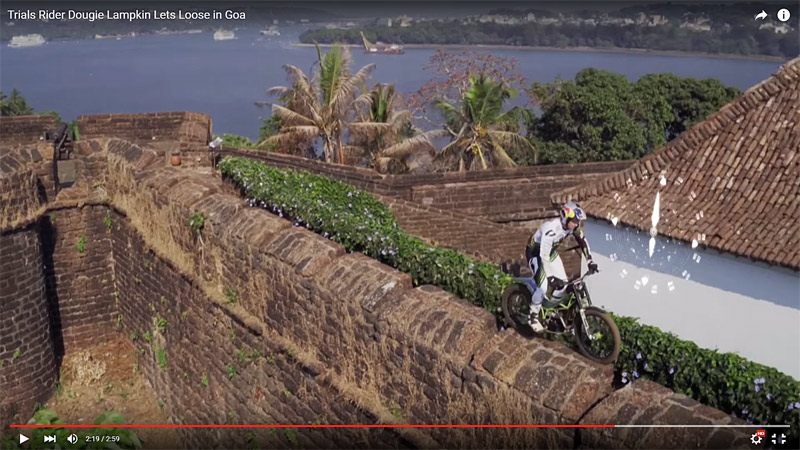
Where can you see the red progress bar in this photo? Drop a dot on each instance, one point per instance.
(312, 426)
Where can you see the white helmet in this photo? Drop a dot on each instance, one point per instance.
(571, 211)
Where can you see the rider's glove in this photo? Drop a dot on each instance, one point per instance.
(555, 283)
(592, 266)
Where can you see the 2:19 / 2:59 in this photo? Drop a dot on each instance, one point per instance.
(93, 438)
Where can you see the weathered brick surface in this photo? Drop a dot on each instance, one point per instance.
(646, 403)
(562, 381)
(27, 361)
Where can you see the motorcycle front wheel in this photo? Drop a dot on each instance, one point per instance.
(516, 306)
(602, 342)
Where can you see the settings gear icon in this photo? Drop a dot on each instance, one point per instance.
(755, 439)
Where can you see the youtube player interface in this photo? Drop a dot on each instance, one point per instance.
(399, 224)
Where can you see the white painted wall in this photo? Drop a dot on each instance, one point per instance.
(729, 303)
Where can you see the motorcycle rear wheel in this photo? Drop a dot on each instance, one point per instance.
(605, 349)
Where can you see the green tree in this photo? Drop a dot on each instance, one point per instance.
(691, 100)
(15, 105)
(591, 115)
(321, 108)
(602, 116)
(235, 141)
(481, 133)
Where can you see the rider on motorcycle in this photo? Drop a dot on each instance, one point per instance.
(545, 262)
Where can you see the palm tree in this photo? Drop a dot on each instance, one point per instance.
(381, 105)
(481, 134)
(320, 109)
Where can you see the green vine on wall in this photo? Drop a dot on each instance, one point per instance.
(197, 221)
(81, 244)
(107, 222)
(231, 296)
(161, 358)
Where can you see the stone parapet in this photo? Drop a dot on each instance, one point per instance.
(26, 129)
(149, 127)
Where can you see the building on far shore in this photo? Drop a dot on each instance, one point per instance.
(725, 268)
(698, 24)
(781, 28)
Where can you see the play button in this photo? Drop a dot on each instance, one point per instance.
(22, 438)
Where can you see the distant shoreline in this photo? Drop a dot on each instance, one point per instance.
(629, 51)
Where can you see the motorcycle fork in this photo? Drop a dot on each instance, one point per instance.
(582, 311)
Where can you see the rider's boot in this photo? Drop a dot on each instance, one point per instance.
(533, 319)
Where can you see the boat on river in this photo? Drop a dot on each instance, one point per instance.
(392, 49)
(224, 35)
(28, 40)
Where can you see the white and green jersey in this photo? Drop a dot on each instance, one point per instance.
(548, 237)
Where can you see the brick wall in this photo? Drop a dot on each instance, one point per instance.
(27, 362)
(477, 237)
(20, 196)
(501, 195)
(499, 200)
(39, 158)
(26, 129)
(80, 283)
(151, 127)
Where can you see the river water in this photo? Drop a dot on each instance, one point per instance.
(224, 78)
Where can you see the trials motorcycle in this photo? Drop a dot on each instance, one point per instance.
(592, 328)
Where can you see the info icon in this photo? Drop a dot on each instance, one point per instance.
(784, 15)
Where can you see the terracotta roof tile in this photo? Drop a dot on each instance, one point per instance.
(740, 168)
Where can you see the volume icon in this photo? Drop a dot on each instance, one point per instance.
(72, 439)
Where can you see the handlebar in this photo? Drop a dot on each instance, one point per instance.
(580, 278)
